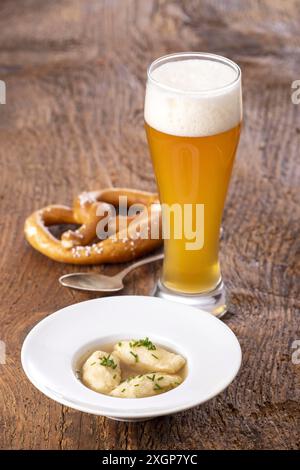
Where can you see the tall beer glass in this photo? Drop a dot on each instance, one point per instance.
(193, 113)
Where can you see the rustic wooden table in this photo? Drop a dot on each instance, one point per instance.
(75, 76)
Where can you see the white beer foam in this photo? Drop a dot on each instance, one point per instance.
(197, 105)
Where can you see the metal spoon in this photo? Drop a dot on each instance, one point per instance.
(100, 282)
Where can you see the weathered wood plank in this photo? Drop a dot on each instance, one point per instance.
(75, 74)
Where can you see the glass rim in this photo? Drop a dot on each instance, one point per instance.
(204, 55)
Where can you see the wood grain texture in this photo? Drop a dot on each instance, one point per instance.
(75, 75)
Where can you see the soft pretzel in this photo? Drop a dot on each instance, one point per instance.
(125, 242)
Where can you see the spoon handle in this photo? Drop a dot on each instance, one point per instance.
(133, 266)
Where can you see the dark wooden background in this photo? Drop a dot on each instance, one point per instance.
(75, 75)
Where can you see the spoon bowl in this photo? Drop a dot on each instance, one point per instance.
(94, 282)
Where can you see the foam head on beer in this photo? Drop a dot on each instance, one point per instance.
(193, 97)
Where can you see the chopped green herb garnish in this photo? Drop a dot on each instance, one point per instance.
(120, 343)
(123, 390)
(106, 361)
(137, 385)
(136, 357)
(151, 378)
(154, 356)
(160, 378)
(157, 387)
(114, 376)
(93, 363)
(143, 342)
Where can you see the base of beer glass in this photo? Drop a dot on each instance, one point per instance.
(214, 302)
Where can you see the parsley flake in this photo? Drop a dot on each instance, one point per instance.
(136, 357)
(106, 361)
(157, 387)
(151, 378)
(146, 343)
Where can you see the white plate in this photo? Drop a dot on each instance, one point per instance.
(51, 351)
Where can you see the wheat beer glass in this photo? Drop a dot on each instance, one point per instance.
(193, 113)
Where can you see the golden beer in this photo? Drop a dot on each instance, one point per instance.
(193, 113)
(193, 170)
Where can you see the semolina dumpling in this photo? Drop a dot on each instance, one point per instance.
(146, 385)
(101, 372)
(142, 356)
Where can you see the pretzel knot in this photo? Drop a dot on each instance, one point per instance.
(105, 233)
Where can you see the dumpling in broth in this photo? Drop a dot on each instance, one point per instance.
(143, 355)
(101, 372)
(146, 385)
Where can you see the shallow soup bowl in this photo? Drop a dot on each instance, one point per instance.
(53, 351)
